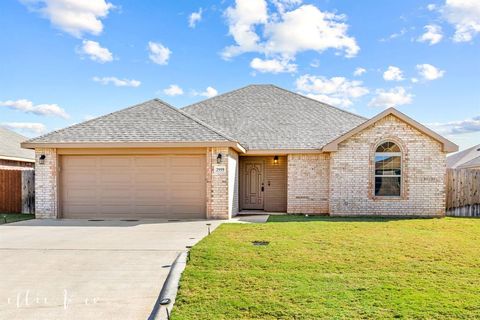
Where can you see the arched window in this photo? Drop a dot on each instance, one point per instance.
(388, 170)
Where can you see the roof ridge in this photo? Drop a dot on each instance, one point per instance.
(87, 121)
(217, 96)
(196, 120)
(277, 87)
(317, 101)
(9, 131)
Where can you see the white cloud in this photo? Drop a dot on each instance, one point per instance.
(393, 74)
(194, 18)
(457, 127)
(95, 51)
(315, 63)
(433, 34)
(431, 6)
(173, 90)
(359, 71)
(26, 127)
(464, 15)
(272, 65)
(395, 35)
(209, 92)
(40, 110)
(241, 25)
(283, 5)
(117, 82)
(286, 33)
(414, 80)
(75, 17)
(158, 53)
(397, 96)
(337, 91)
(308, 28)
(429, 72)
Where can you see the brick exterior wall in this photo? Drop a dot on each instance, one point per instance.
(46, 196)
(423, 176)
(218, 206)
(308, 183)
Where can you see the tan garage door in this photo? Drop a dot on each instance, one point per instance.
(133, 187)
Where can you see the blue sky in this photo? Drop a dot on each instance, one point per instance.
(65, 61)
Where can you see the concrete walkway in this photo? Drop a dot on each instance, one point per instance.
(78, 269)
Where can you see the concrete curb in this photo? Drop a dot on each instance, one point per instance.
(169, 289)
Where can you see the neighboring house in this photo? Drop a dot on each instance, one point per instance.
(12, 156)
(466, 159)
(256, 148)
(17, 192)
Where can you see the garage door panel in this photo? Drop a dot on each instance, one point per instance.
(152, 210)
(151, 195)
(188, 176)
(77, 177)
(82, 209)
(114, 210)
(133, 186)
(188, 198)
(184, 209)
(80, 195)
(185, 161)
(148, 163)
(155, 178)
(114, 177)
(77, 163)
(114, 162)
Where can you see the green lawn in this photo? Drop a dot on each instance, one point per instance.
(335, 268)
(14, 217)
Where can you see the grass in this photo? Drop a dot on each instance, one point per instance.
(14, 217)
(335, 268)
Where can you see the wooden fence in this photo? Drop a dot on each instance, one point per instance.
(463, 197)
(17, 191)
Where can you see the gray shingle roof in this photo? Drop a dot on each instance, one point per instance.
(151, 121)
(10, 145)
(467, 158)
(269, 117)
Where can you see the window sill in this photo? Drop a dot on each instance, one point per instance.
(387, 198)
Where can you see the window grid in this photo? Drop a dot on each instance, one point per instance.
(388, 170)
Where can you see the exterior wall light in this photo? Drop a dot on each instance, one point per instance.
(41, 160)
(275, 160)
(219, 158)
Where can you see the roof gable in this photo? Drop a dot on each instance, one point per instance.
(266, 117)
(448, 146)
(10, 146)
(466, 158)
(153, 121)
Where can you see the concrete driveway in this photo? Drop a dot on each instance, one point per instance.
(79, 269)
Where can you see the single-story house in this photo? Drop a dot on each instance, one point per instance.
(12, 155)
(260, 147)
(466, 159)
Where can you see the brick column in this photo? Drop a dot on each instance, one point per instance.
(46, 197)
(217, 184)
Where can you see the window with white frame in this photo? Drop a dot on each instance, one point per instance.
(388, 170)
